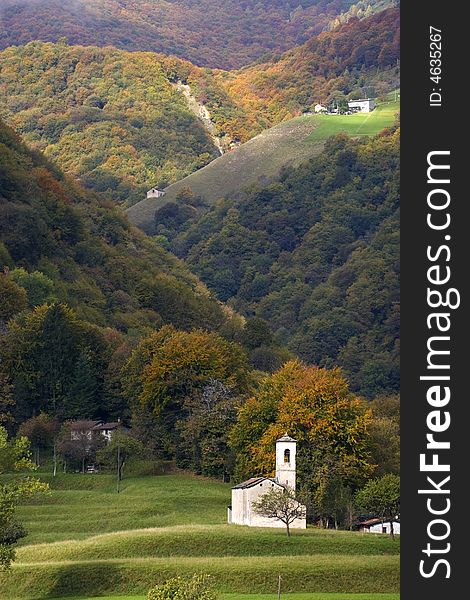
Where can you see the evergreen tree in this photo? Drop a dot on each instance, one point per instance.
(82, 397)
(58, 356)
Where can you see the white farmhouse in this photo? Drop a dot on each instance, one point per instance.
(365, 105)
(244, 494)
(155, 193)
(319, 108)
(377, 525)
(88, 430)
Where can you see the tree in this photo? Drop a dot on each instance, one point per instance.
(256, 333)
(280, 504)
(42, 351)
(39, 288)
(171, 367)
(121, 448)
(6, 400)
(316, 407)
(197, 588)
(382, 497)
(14, 459)
(41, 431)
(83, 390)
(385, 434)
(203, 445)
(79, 444)
(13, 298)
(332, 499)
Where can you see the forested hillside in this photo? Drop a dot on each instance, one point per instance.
(314, 253)
(212, 33)
(112, 119)
(116, 120)
(358, 59)
(362, 9)
(84, 285)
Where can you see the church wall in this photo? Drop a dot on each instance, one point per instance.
(243, 513)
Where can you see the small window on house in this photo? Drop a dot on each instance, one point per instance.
(287, 455)
(384, 529)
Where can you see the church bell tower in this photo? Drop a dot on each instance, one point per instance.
(286, 448)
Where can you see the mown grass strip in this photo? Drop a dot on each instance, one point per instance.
(243, 575)
(215, 540)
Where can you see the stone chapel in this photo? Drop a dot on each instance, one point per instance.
(244, 494)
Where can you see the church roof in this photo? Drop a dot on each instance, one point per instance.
(252, 482)
(286, 438)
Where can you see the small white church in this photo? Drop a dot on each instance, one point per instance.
(244, 494)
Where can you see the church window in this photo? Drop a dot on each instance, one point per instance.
(287, 455)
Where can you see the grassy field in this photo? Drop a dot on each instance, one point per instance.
(268, 597)
(260, 159)
(86, 540)
(355, 125)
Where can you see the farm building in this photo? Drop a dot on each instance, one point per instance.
(241, 511)
(365, 105)
(88, 429)
(379, 526)
(155, 193)
(320, 108)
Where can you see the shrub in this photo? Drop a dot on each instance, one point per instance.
(197, 588)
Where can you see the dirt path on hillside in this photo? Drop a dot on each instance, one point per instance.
(201, 113)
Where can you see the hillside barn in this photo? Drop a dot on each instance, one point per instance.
(155, 193)
(244, 494)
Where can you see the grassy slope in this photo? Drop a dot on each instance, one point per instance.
(261, 158)
(86, 540)
(357, 125)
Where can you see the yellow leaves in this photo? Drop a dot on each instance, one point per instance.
(174, 363)
(314, 406)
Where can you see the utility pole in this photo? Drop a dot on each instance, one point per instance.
(54, 472)
(118, 482)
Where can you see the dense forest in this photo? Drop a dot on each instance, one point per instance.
(270, 310)
(315, 254)
(210, 33)
(112, 119)
(362, 9)
(116, 121)
(97, 321)
(74, 268)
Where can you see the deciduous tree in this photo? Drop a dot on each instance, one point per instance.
(381, 497)
(14, 459)
(280, 504)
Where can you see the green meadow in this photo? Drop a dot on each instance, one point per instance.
(356, 125)
(86, 541)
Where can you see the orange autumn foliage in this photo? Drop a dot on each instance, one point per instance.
(313, 405)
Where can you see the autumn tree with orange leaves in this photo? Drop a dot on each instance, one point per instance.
(313, 405)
